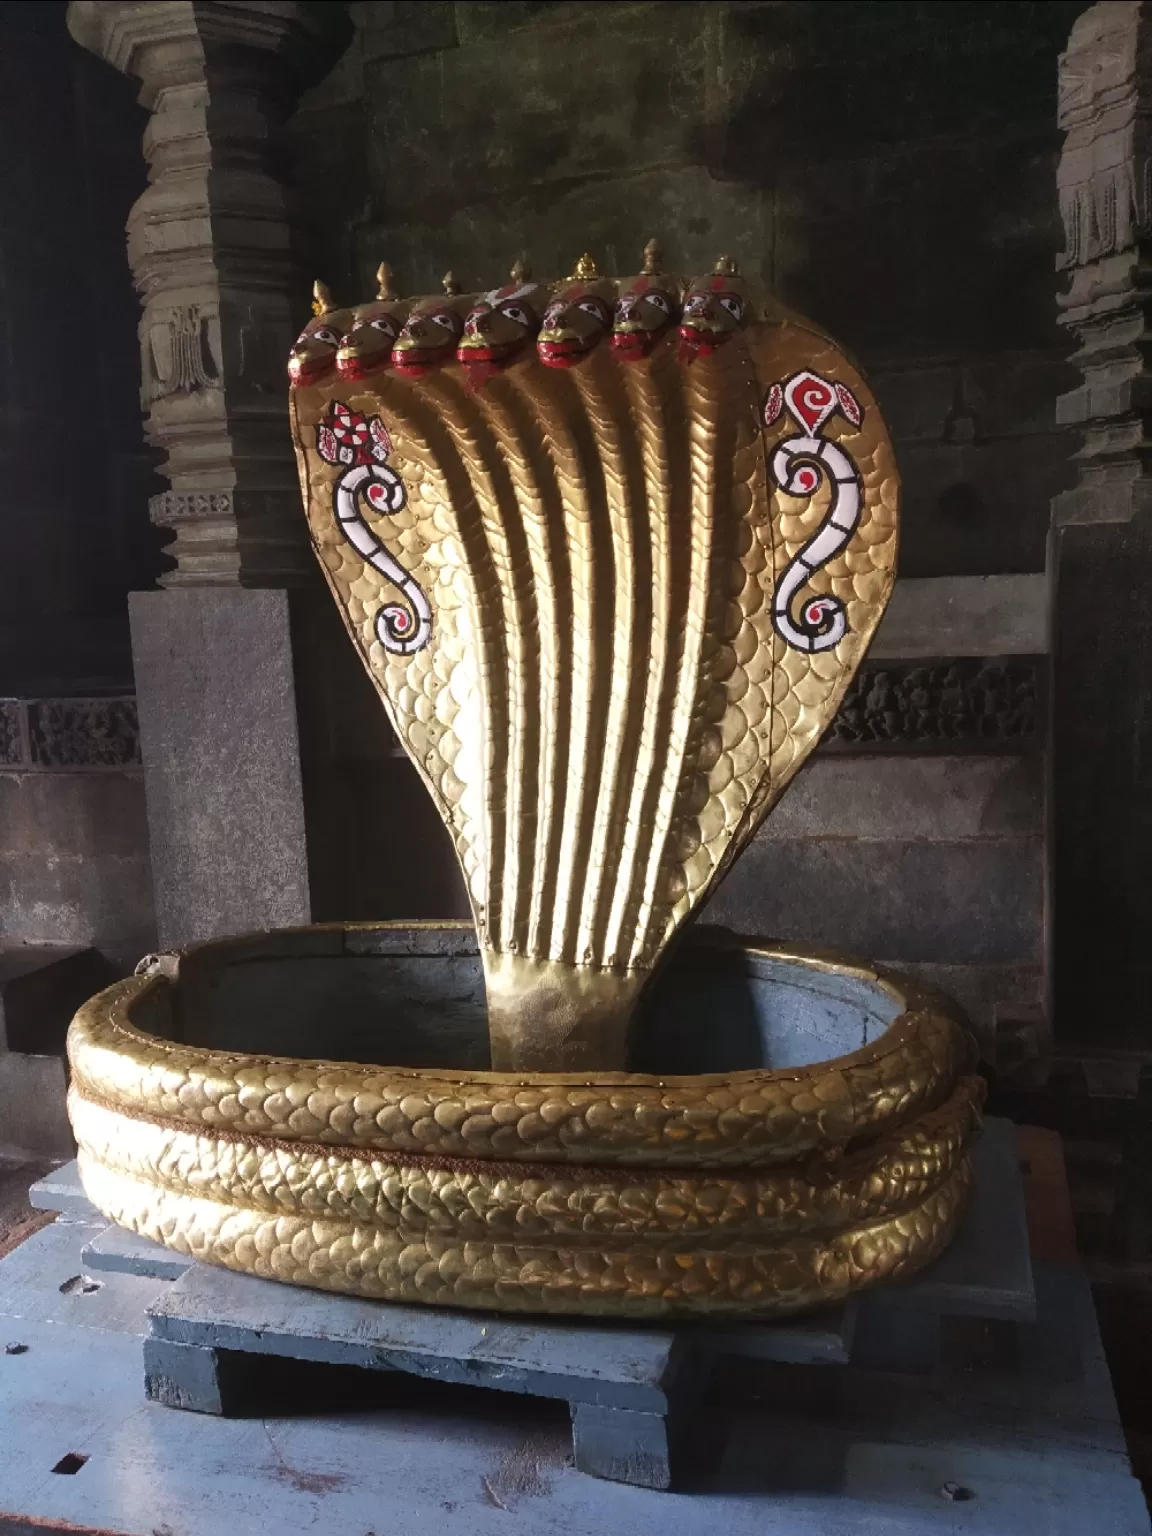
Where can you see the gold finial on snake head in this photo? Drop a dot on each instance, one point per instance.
(648, 304)
(521, 270)
(579, 316)
(368, 342)
(451, 286)
(715, 306)
(313, 352)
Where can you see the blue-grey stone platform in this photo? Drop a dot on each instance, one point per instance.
(783, 1451)
(631, 1391)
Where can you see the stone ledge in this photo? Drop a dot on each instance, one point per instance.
(935, 616)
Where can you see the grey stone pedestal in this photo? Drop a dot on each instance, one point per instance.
(221, 760)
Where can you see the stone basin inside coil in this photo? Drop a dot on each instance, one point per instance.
(413, 996)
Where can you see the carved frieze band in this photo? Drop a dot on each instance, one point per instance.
(952, 706)
(39, 734)
(172, 507)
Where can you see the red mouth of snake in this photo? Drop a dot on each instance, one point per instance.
(414, 362)
(304, 371)
(499, 352)
(694, 343)
(562, 354)
(354, 368)
(633, 345)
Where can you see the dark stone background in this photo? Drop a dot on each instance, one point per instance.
(888, 168)
(74, 471)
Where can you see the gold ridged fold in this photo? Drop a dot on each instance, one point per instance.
(603, 711)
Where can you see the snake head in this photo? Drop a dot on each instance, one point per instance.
(313, 354)
(431, 333)
(368, 342)
(715, 307)
(577, 320)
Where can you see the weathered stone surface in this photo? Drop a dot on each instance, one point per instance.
(41, 986)
(74, 815)
(976, 900)
(1103, 540)
(78, 899)
(33, 1112)
(221, 761)
(915, 799)
(74, 861)
(210, 249)
(923, 238)
(964, 616)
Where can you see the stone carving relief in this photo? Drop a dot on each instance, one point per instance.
(11, 743)
(84, 733)
(952, 706)
(182, 352)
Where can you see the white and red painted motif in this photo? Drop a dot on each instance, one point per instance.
(799, 465)
(360, 445)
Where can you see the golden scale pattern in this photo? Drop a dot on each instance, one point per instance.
(604, 712)
(760, 1191)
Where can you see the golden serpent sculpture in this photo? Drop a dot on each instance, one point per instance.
(611, 552)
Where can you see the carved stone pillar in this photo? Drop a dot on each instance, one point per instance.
(1103, 537)
(210, 249)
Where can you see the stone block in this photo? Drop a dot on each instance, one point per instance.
(119, 1252)
(41, 987)
(74, 814)
(183, 1376)
(621, 1446)
(964, 616)
(80, 900)
(62, 1191)
(221, 760)
(33, 1106)
(951, 902)
(915, 798)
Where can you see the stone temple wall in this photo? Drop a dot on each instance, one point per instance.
(74, 482)
(887, 168)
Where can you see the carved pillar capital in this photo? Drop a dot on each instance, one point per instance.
(1105, 189)
(210, 249)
